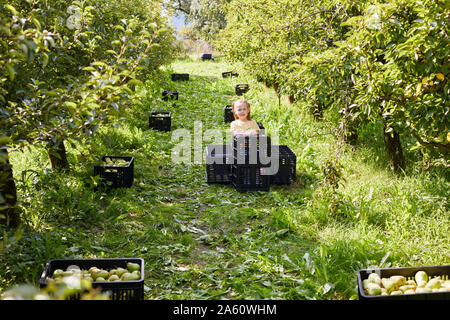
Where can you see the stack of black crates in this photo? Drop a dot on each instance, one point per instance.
(247, 163)
(218, 163)
(250, 158)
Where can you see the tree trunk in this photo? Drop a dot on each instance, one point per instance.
(8, 214)
(351, 134)
(317, 111)
(57, 155)
(394, 150)
(291, 98)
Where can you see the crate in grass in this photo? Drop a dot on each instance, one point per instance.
(287, 164)
(116, 290)
(409, 273)
(180, 76)
(206, 56)
(115, 171)
(218, 163)
(240, 89)
(229, 74)
(249, 178)
(252, 149)
(228, 113)
(168, 94)
(161, 120)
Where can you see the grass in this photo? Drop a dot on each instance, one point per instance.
(203, 241)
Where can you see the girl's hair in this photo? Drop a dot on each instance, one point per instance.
(241, 101)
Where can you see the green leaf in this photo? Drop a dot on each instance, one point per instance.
(11, 9)
(11, 71)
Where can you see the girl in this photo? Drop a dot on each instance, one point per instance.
(243, 123)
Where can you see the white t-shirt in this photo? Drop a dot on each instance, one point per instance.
(238, 126)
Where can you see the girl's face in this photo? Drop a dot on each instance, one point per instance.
(241, 111)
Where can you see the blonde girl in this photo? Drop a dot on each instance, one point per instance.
(243, 123)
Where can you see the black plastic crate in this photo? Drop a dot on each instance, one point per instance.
(261, 126)
(206, 56)
(161, 121)
(249, 178)
(172, 95)
(228, 113)
(230, 74)
(287, 164)
(407, 272)
(252, 149)
(180, 76)
(115, 176)
(218, 163)
(241, 89)
(118, 290)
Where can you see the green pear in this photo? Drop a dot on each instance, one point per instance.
(50, 281)
(374, 278)
(388, 284)
(137, 273)
(127, 276)
(393, 293)
(133, 266)
(398, 280)
(434, 283)
(100, 274)
(421, 278)
(121, 271)
(411, 283)
(423, 290)
(406, 287)
(100, 279)
(447, 284)
(93, 270)
(114, 277)
(365, 283)
(57, 273)
(373, 289)
(113, 271)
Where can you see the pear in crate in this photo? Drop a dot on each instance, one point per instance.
(114, 277)
(373, 289)
(374, 278)
(388, 284)
(421, 278)
(434, 283)
(398, 281)
(133, 266)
